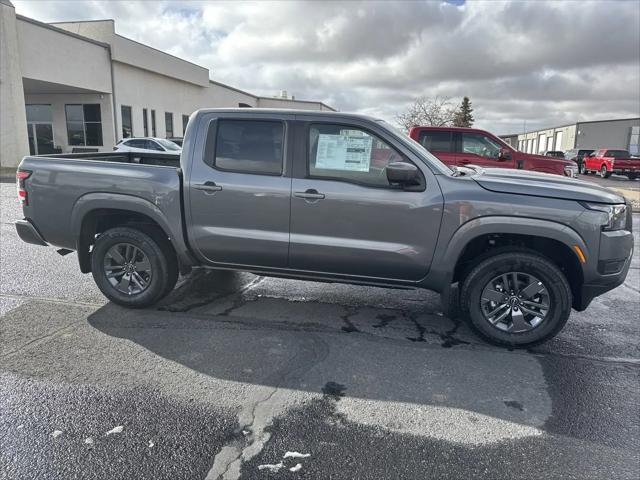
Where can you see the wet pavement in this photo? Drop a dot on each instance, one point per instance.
(238, 376)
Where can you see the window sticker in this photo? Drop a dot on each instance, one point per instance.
(344, 152)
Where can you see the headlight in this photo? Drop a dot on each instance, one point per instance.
(617, 215)
(571, 171)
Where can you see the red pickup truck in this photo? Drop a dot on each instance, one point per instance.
(608, 161)
(462, 146)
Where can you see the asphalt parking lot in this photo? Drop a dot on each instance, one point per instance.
(238, 376)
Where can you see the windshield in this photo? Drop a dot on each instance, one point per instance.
(169, 145)
(416, 147)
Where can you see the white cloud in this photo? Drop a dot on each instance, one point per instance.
(543, 63)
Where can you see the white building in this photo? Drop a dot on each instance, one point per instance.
(79, 85)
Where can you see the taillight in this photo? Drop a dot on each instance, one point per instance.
(21, 176)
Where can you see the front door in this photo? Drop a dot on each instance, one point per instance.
(346, 219)
(479, 149)
(239, 194)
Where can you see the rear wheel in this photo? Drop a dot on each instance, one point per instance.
(516, 299)
(603, 172)
(632, 176)
(133, 268)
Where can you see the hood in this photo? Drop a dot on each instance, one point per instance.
(523, 182)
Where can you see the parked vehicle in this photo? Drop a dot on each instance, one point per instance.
(470, 146)
(609, 161)
(554, 153)
(176, 140)
(147, 144)
(577, 155)
(333, 197)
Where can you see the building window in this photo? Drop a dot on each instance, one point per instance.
(84, 124)
(168, 124)
(127, 128)
(145, 122)
(185, 120)
(244, 105)
(153, 123)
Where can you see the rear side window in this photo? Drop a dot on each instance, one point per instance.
(617, 154)
(436, 141)
(249, 146)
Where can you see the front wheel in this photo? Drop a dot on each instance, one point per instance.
(604, 173)
(632, 176)
(132, 268)
(516, 299)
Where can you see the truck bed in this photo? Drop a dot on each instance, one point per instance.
(63, 187)
(151, 158)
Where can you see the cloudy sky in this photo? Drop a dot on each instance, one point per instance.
(525, 61)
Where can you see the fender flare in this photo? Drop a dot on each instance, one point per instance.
(96, 201)
(509, 225)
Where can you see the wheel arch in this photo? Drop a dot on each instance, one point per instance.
(481, 238)
(94, 213)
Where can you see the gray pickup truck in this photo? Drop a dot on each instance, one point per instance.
(332, 197)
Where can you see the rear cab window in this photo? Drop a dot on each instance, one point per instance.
(249, 146)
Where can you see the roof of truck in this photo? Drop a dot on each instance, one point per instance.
(287, 111)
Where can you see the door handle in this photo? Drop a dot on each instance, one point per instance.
(208, 187)
(310, 194)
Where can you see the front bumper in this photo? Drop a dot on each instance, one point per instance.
(28, 233)
(614, 260)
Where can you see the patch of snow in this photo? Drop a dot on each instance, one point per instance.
(20, 426)
(88, 441)
(117, 429)
(297, 468)
(56, 433)
(296, 455)
(151, 444)
(272, 467)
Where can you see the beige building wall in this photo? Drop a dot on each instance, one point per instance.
(50, 55)
(539, 141)
(13, 122)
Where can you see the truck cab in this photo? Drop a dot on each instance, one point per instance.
(457, 146)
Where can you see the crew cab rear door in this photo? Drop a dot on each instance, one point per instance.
(440, 143)
(346, 219)
(239, 190)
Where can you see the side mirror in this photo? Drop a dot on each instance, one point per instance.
(504, 154)
(403, 173)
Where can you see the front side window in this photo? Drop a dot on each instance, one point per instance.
(249, 146)
(151, 145)
(340, 152)
(168, 145)
(84, 124)
(168, 124)
(481, 145)
(436, 141)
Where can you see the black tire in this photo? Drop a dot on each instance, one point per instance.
(632, 176)
(556, 287)
(163, 271)
(604, 173)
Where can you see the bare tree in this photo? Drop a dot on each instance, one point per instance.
(435, 112)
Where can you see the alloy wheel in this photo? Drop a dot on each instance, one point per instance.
(127, 268)
(515, 302)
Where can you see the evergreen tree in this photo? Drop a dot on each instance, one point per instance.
(464, 115)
